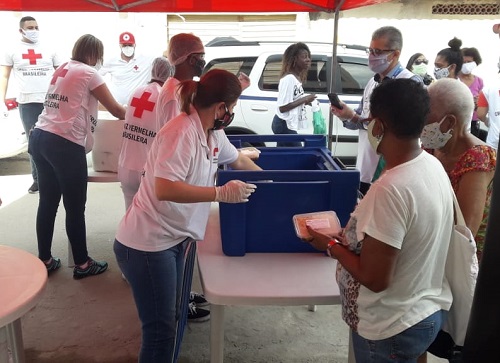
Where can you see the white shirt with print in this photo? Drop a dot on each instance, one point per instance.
(289, 90)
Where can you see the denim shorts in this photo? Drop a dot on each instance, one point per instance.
(404, 347)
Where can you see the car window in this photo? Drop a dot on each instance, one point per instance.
(233, 65)
(354, 77)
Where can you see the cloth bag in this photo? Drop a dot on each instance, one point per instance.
(461, 271)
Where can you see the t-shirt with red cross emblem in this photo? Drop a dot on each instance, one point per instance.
(125, 77)
(33, 65)
(139, 128)
(70, 108)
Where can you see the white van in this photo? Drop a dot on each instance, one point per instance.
(261, 61)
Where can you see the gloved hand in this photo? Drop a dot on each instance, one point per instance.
(234, 191)
(4, 111)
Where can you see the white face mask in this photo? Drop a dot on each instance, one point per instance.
(468, 67)
(31, 35)
(432, 137)
(374, 140)
(128, 51)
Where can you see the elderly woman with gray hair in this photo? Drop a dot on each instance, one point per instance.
(470, 165)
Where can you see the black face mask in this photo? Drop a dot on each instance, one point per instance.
(199, 64)
(225, 121)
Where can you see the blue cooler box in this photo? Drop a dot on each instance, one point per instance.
(294, 181)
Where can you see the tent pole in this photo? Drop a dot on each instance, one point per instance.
(334, 76)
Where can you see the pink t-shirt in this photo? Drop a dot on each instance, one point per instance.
(475, 88)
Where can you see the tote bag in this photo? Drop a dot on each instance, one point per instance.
(461, 271)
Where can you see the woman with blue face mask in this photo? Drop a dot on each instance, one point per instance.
(449, 60)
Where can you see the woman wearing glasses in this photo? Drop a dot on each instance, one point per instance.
(417, 64)
(172, 204)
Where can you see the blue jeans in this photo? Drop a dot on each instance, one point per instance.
(156, 282)
(62, 171)
(279, 127)
(404, 347)
(29, 113)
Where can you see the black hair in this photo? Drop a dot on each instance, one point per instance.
(474, 53)
(289, 57)
(412, 60)
(24, 19)
(402, 105)
(453, 55)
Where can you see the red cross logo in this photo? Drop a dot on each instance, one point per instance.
(60, 72)
(32, 56)
(142, 104)
(136, 67)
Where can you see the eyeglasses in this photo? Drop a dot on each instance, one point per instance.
(375, 51)
(420, 61)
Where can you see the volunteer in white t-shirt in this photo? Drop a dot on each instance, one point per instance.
(392, 253)
(33, 64)
(292, 101)
(57, 145)
(139, 129)
(172, 205)
(127, 72)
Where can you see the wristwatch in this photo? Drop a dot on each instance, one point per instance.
(331, 243)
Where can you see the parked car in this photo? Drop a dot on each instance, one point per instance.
(261, 61)
(13, 139)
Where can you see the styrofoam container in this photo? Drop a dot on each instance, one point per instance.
(325, 222)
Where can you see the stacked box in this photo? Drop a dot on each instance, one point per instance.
(295, 181)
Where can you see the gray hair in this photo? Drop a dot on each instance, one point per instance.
(453, 97)
(393, 35)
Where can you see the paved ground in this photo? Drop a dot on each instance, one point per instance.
(94, 319)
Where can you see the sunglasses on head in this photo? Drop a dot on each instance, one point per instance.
(420, 61)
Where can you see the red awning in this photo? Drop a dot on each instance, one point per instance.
(183, 6)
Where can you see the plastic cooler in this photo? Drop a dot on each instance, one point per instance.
(295, 180)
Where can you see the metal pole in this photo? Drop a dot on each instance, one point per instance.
(333, 74)
(483, 331)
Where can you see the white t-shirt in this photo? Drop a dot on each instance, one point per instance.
(139, 128)
(367, 158)
(179, 153)
(126, 77)
(33, 65)
(289, 90)
(167, 105)
(492, 95)
(70, 109)
(410, 207)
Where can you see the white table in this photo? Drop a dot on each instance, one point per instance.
(22, 282)
(259, 279)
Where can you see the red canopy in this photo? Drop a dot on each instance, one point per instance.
(184, 6)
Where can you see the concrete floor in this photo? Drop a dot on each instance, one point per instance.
(94, 319)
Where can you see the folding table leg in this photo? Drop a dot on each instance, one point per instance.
(216, 333)
(350, 355)
(4, 347)
(15, 341)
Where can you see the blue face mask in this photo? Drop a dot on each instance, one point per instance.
(378, 63)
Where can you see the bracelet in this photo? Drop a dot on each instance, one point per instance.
(331, 243)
